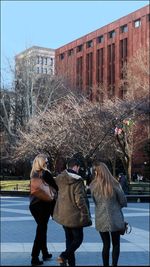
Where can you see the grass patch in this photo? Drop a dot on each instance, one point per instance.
(23, 185)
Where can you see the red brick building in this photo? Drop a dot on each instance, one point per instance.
(98, 57)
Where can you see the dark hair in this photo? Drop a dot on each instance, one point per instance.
(73, 162)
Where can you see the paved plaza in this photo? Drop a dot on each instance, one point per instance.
(18, 231)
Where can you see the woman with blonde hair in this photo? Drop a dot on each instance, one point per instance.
(109, 200)
(41, 210)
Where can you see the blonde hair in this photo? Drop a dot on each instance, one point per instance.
(103, 182)
(39, 164)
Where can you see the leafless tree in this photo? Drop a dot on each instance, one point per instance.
(70, 124)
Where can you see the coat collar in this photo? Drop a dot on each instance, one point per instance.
(73, 174)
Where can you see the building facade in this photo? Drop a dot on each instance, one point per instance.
(41, 60)
(97, 58)
(34, 69)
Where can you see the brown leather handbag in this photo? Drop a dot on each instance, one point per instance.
(40, 189)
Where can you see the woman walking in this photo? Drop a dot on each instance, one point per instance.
(41, 210)
(109, 200)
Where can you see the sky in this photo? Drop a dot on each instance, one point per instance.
(52, 24)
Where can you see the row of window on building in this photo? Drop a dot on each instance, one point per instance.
(100, 65)
(45, 60)
(44, 70)
(100, 39)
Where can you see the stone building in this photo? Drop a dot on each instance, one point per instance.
(41, 59)
(34, 69)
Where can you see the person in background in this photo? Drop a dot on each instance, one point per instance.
(71, 210)
(139, 178)
(41, 210)
(109, 200)
(123, 182)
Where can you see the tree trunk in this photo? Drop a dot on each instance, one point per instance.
(113, 162)
(129, 169)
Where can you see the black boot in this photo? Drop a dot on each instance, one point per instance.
(36, 261)
(47, 256)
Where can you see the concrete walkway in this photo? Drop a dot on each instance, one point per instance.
(18, 231)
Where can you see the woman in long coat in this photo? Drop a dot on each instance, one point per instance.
(109, 200)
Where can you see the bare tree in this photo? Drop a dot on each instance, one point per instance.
(136, 84)
(69, 124)
(34, 92)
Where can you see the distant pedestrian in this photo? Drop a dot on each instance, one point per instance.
(109, 199)
(134, 177)
(123, 182)
(139, 178)
(71, 210)
(41, 210)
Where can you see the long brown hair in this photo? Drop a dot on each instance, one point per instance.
(39, 164)
(103, 182)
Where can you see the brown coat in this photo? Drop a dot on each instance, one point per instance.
(71, 207)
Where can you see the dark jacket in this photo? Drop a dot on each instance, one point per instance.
(71, 207)
(48, 178)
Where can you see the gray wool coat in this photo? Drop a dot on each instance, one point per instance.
(108, 212)
(72, 207)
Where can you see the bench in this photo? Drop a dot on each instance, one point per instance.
(138, 198)
(139, 189)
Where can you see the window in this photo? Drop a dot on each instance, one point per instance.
(38, 70)
(51, 61)
(62, 56)
(89, 74)
(38, 59)
(70, 52)
(148, 17)
(89, 44)
(123, 91)
(45, 61)
(41, 60)
(45, 70)
(137, 23)
(100, 39)
(111, 70)
(124, 28)
(100, 66)
(111, 34)
(79, 48)
(79, 72)
(123, 55)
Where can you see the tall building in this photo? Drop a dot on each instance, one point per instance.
(41, 60)
(98, 57)
(34, 69)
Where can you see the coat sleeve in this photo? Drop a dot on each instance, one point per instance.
(82, 202)
(121, 196)
(48, 178)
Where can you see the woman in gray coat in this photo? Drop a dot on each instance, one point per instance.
(109, 200)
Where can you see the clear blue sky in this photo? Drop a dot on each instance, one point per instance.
(52, 24)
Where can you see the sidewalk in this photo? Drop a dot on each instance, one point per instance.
(18, 230)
